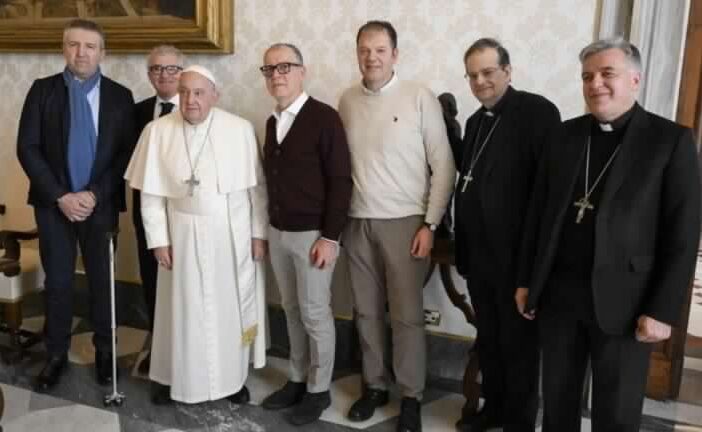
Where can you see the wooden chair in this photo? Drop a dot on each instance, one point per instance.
(20, 274)
(444, 255)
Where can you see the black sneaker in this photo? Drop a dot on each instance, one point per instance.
(410, 416)
(289, 395)
(310, 408)
(364, 408)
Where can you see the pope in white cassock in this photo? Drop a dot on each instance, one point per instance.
(204, 212)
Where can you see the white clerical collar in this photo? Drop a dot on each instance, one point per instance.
(382, 89)
(175, 100)
(605, 127)
(294, 108)
(201, 127)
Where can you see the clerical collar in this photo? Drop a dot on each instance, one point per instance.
(201, 127)
(382, 89)
(294, 108)
(497, 109)
(619, 123)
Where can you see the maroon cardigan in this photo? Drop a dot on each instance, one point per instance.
(308, 175)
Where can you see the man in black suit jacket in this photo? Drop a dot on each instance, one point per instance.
(75, 137)
(502, 145)
(164, 64)
(616, 245)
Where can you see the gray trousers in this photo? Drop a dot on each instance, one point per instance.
(306, 295)
(383, 271)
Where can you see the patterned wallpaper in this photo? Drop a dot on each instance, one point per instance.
(543, 37)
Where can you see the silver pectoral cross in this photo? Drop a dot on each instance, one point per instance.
(583, 204)
(191, 182)
(467, 179)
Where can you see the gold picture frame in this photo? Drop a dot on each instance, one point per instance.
(131, 26)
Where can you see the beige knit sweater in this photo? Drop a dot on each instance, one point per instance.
(401, 160)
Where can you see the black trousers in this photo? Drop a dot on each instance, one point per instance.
(619, 370)
(148, 266)
(58, 242)
(508, 353)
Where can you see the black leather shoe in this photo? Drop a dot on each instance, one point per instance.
(364, 408)
(145, 365)
(103, 367)
(481, 422)
(410, 416)
(310, 408)
(160, 394)
(241, 397)
(291, 394)
(51, 373)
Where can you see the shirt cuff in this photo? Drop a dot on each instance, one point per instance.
(336, 242)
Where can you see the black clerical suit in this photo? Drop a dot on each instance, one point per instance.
(148, 266)
(633, 253)
(490, 212)
(42, 146)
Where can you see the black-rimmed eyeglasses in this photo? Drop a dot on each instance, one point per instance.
(169, 69)
(282, 68)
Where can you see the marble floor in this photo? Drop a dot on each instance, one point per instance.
(76, 403)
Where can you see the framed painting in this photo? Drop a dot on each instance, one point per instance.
(204, 26)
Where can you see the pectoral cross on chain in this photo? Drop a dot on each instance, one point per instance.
(583, 204)
(467, 179)
(191, 182)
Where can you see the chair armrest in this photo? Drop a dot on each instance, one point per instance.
(18, 235)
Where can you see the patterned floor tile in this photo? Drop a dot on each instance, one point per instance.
(442, 414)
(17, 402)
(65, 419)
(82, 351)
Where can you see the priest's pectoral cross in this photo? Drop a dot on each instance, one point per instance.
(583, 204)
(467, 179)
(191, 182)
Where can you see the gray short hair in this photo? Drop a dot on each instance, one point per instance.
(630, 51)
(291, 47)
(88, 25)
(166, 50)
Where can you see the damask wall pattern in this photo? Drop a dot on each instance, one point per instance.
(543, 37)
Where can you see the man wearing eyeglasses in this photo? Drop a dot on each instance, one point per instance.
(306, 160)
(403, 174)
(164, 65)
(498, 161)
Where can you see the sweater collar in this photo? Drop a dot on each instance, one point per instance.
(381, 90)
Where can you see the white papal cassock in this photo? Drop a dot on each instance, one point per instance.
(210, 308)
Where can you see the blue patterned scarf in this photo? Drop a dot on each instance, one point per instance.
(82, 139)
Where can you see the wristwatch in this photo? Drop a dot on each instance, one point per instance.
(432, 227)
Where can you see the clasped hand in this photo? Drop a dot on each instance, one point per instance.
(77, 206)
